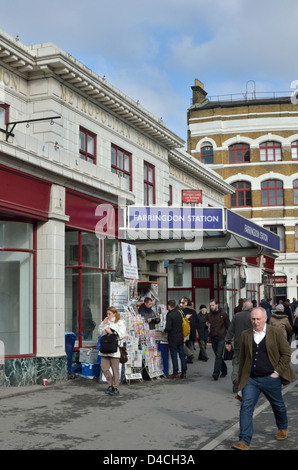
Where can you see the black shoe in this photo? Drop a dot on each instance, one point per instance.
(215, 377)
(235, 386)
(223, 374)
(108, 390)
(114, 391)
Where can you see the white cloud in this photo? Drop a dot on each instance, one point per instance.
(153, 51)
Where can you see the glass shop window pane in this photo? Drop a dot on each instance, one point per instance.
(90, 250)
(71, 249)
(16, 302)
(16, 235)
(92, 305)
(71, 300)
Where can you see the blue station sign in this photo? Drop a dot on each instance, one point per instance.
(175, 218)
(251, 231)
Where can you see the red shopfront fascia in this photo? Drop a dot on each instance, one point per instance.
(24, 194)
(91, 214)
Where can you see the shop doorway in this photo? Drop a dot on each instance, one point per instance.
(203, 285)
(202, 297)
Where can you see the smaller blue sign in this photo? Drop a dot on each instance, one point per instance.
(175, 218)
(251, 231)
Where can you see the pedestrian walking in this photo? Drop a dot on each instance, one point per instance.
(189, 345)
(240, 322)
(175, 340)
(203, 333)
(218, 322)
(264, 364)
(280, 319)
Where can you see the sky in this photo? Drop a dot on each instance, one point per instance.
(153, 51)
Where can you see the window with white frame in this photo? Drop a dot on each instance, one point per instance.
(295, 191)
(294, 150)
(280, 231)
(296, 237)
(270, 152)
(207, 153)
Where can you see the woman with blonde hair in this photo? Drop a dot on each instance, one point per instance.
(112, 323)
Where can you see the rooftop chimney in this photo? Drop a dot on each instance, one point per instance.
(198, 92)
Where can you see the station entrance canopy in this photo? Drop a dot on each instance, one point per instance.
(200, 232)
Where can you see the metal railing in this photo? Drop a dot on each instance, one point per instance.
(249, 96)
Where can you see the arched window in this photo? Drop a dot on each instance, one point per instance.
(294, 150)
(295, 188)
(207, 153)
(270, 152)
(239, 153)
(242, 196)
(272, 193)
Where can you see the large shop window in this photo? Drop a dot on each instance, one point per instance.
(16, 288)
(90, 268)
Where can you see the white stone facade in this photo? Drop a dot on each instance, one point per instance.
(42, 81)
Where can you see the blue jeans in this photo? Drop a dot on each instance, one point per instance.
(174, 351)
(219, 364)
(271, 387)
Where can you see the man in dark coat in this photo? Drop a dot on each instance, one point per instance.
(148, 314)
(219, 322)
(175, 340)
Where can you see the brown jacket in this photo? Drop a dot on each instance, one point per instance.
(280, 320)
(278, 350)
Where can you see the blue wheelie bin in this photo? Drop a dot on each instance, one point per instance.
(70, 339)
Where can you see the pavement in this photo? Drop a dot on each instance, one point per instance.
(162, 415)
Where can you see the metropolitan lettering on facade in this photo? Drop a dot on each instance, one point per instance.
(108, 120)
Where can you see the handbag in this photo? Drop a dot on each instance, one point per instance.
(228, 355)
(123, 354)
(108, 344)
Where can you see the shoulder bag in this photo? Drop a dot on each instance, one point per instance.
(108, 343)
(185, 325)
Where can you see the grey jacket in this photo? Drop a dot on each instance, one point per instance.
(241, 321)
